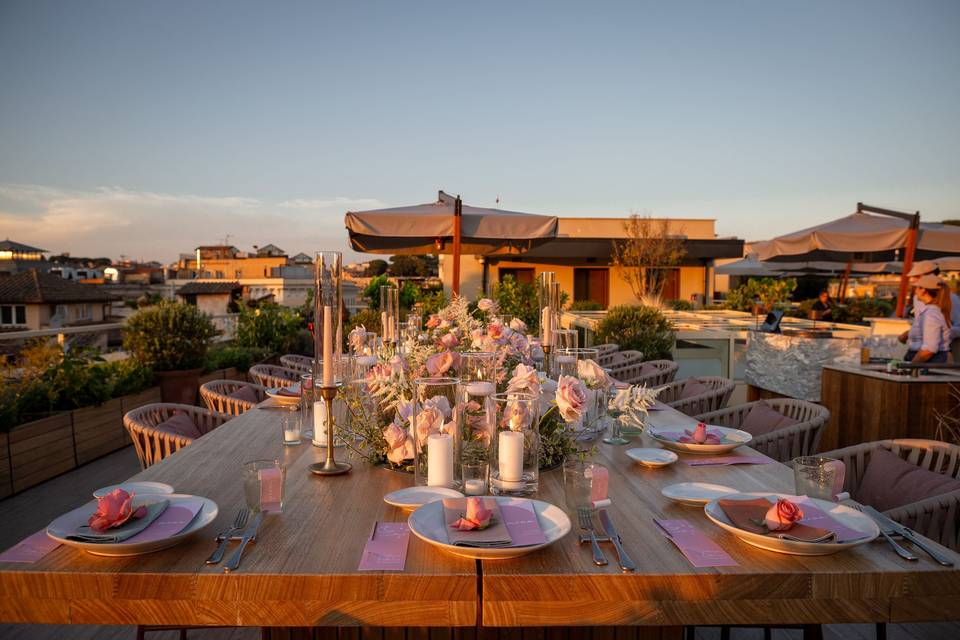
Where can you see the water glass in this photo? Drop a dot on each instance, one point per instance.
(263, 484)
(818, 477)
(306, 405)
(475, 476)
(290, 423)
(578, 483)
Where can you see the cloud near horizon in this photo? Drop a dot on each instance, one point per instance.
(112, 221)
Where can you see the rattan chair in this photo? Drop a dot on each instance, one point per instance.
(271, 376)
(652, 373)
(605, 353)
(153, 445)
(216, 395)
(303, 364)
(783, 444)
(717, 396)
(936, 517)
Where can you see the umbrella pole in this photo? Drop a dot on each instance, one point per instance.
(842, 293)
(911, 249)
(457, 216)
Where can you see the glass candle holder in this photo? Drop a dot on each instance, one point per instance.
(477, 388)
(515, 460)
(566, 360)
(545, 302)
(363, 347)
(328, 319)
(307, 398)
(389, 313)
(290, 424)
(566, 339)
(475, 478)
(436, 429)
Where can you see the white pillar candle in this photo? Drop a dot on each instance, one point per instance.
(384, 327)
(328, 346)
(545, 322)
(366, 361)
(440, 460)
(510, 450)
(320, 423)
(289, 435)
(480, 388)
(566, 359)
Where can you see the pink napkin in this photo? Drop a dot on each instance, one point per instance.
(386, 550)
(700, 550)
(713, 437)
(813, 516)
(271, 486)
(31, 548)
(728, 460)
(290, 392)
(495, 535)
(174, 519)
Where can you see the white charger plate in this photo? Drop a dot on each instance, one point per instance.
(652, 457)
(428, 524)
(60, 528)
(412, 498)
(735, 438)
(695, 494)
(139, 488)
(274, 394)
(843, 514)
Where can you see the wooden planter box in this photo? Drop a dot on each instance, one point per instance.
(99, 430)
(41, 449)
(6, 481)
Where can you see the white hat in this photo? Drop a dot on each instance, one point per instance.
(923, 268)
(929, 282)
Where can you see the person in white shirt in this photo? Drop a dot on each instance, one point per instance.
(929, 337)
(931, 267)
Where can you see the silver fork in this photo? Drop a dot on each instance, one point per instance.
(586, 523)
(885, 531)
(238, 524)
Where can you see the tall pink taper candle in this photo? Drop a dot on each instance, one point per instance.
(327, 346)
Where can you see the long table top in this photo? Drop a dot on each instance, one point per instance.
(302, 571)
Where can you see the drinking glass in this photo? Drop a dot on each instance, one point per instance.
(290, 425)
(306, 405)
(578, 483)
(818, 477)
(263, 484)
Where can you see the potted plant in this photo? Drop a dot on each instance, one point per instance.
(172, 339)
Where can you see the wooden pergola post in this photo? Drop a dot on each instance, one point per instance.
(907, 265)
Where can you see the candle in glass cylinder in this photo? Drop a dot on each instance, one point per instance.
(546, 321)
(480, 388)
(510, 450)
(327, 346)
(440, 460)
(320, 423)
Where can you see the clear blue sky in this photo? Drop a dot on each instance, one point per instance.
(146, 128)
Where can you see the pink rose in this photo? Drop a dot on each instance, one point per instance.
(429, 421)
(495, 330)
(397, 364)
(439, 363)
(449, 340)
(395, 435)
(518, 325)
(516, 416)
(114, 510)
(477, 516)
(525, 378)
(571, 398)
(593, 374)
(700, 435)
(433, 321)
(485, 304)
(439, 402)
(782, 515)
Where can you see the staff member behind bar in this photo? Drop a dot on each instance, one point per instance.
(929, 337)
(932, 267)
(823, 307)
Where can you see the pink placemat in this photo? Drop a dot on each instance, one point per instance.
(700, 550)
(386, 550)
(31, 548)
(174, 519)
(728, 460)
(522, 523)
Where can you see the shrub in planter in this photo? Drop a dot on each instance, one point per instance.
(680, 305)
(643, 329)
(269, 326)
(770, 292)
(586, 305)
(171, 338)
(234, 356)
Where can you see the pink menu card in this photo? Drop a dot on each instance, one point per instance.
(815, 517)
(700, 550)
(174, 519)
(522, 522)
(386, 550)
(728, 460)
(31, 548)
(271, 488)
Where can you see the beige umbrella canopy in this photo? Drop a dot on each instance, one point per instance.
(447, 226)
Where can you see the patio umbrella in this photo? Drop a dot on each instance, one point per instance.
(447, 226)
(866, 238)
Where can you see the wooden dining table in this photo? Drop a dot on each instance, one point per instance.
(302, 571)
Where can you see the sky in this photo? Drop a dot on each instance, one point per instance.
(145, 129)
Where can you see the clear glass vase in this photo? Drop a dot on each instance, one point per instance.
(515, 454)
(436, 419)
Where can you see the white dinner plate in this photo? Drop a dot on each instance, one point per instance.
(428, 524)
(60, 528)
(139, 488)
(842, 514)
(652, 457)
(285, 400)
(733, 438)
(412, 498)
(695, 494)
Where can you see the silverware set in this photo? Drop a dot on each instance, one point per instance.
(890, 528)
(608, 534)
(237, 528)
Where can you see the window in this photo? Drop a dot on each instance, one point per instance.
(522, 276)
(592, 285)
(13, 314)
(219, 275)
(84, 311)
(236, 274)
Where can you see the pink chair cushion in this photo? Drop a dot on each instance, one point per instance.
(245, 393)
(648, 368)
(180, 424)
(762, 419)
(692, 388)
(890, 482)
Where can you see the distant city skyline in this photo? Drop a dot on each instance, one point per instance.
(147, 129)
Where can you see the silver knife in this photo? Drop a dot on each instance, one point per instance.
(908, 534)
(622, 558)
(234, 562)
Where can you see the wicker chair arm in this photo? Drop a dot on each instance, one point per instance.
(791, 442)
(936, 517)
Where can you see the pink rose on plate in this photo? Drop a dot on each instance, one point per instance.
(439, 363)
(571, 398)
(700, 435)
(113, 510)
(782, 515)
(518, 325)
(476, 518)
(449, 340)
(433, 321)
